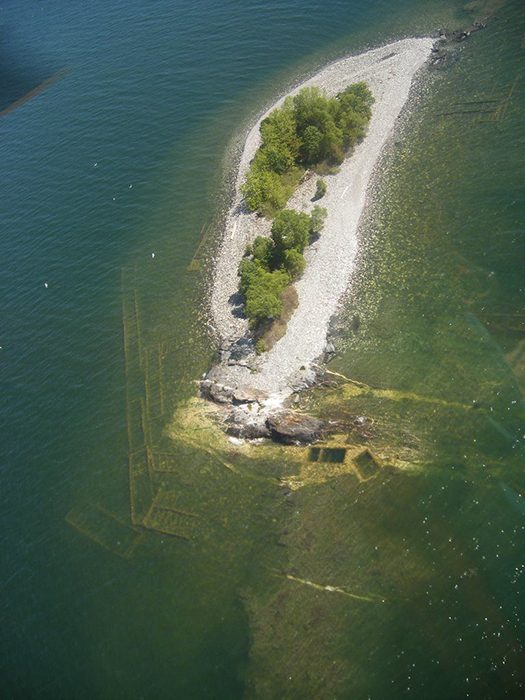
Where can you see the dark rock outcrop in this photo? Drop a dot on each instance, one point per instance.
(457, 35)
(292, 427)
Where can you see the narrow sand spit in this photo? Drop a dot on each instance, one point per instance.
(389, 72)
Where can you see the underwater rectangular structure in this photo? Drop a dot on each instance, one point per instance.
(105, 529)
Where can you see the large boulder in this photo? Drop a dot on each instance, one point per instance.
(292, 427)
(222, 393)
(244, 423)
(250, 395)
(214, 391)
(303, 379)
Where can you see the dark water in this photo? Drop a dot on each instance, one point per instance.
(125, 155)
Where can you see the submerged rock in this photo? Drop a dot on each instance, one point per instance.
(462, 34)
(457, 35)
(292, 427)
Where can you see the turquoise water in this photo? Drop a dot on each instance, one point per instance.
(127, 154)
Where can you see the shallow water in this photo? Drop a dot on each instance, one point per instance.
(157, 98)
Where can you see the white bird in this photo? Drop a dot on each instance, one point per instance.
(95, 165)
(46, 285)
(153, 255)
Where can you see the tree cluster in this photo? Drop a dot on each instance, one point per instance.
(271, 264)
(308, 129)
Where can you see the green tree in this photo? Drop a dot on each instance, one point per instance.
(261, 187)
(263, 294)
(248, 272)
(310, 109)
(355, 103)
(332, 143)
(290, 230)
(279, 138)
(262, 249)
(294, 262)
(311, 139)
(316, 125)
(360, 98)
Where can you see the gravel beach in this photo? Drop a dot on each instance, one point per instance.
(389, 72)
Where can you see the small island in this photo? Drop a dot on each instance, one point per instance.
(280, 272)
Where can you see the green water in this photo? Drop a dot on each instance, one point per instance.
(97, 606)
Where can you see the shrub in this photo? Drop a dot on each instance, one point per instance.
(325, 168)
(320, 190)
(317, 219)
(260, 346)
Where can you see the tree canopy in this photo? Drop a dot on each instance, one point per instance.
(308, 129)
(272, 263)
(290, 230)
